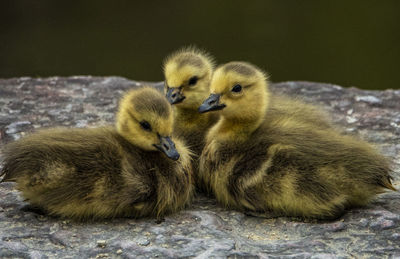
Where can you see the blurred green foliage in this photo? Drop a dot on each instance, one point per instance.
(351, 43)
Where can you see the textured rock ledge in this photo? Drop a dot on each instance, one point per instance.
(203, 230)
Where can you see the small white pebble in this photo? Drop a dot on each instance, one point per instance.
(350, 119)
(349, 112)
(101, 243)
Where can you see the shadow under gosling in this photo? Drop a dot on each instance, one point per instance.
(188, 74)
(262, 157)
(133, 170)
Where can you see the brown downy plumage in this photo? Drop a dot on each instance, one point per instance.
(188, 74)
(263, 157)
(133, 170)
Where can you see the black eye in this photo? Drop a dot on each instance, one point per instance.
(193, 80)
(145, 125)
(237, 88)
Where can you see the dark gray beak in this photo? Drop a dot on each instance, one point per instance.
(168, 147)
(211, 104)
(174, 95)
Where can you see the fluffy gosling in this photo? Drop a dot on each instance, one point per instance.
(188, 74)
(261, 158)
(133, 170)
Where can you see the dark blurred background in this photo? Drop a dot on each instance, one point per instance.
(350, 43)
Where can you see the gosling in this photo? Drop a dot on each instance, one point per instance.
(188, 74)
(260, 159)
(133, 170)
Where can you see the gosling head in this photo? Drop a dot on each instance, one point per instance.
(188, 74)
(239, 90)
(145, 119)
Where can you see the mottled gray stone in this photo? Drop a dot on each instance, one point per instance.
(204, 229)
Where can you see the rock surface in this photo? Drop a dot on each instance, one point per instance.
(204, 230)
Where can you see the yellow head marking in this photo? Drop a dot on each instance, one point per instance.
(143, 116)
(243, 89)
(190, 70)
